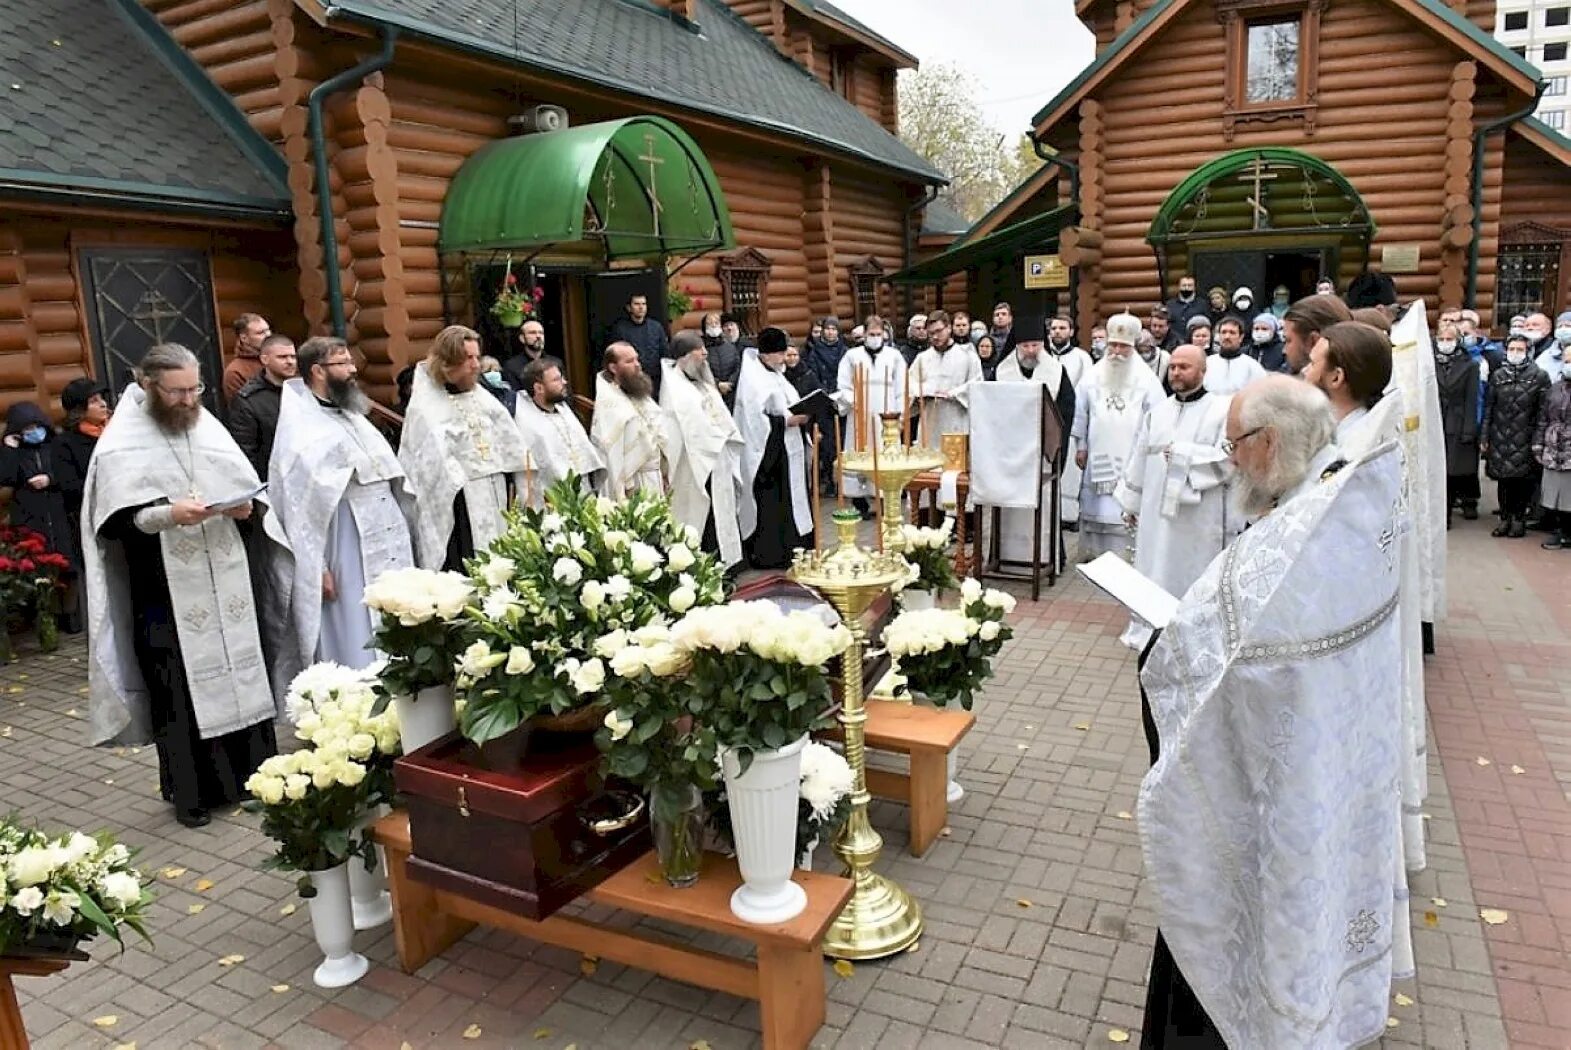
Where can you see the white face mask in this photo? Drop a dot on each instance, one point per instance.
(713, 333)
(978, 330)
(1563, 335)
(874, 342)
(1099, 344)
(1516, 357)
(1445, 346)
(1263, 335)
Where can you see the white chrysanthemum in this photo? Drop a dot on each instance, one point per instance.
(618, 587)
(498, 571)
(319, 682)
(122, 888)
(500, 603)
(826, 779)
(679, 558)
(567, 572)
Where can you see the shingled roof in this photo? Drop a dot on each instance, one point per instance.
(102, 106)
(720, 66)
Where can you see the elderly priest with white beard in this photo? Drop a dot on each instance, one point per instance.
(557, 442)
(628, 428)
(1269, 817)
(174, 654)
(1175, 487)
(775, 514)
(705, 450)
(461, 451)
(1109, 408)
(342, 497)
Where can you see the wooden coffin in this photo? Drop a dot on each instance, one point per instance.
(540, 835)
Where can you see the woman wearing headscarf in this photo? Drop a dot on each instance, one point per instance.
(987, 351)
(29, 465)
(86, 404)
(1512, 405)
(1266, 342)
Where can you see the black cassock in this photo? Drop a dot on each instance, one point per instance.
(1174, 1018)
(193, 773)
(771, 544)
(460, 543)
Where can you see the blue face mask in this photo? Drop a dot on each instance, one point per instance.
(1563, 335)
(493, 378)
(1470, 340)
(34, 435)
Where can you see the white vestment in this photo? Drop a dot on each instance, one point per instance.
(1413, 371)
(1077, 365)
(631, 438)
(1176, 483)
(1229, 375)
(1109, 407)
(456, 443)
(136, 463)
(557, 446)
(1269, 821)
(762, 392)
(706, 458)
(944, 376)
(885, 392)
(1015, 524)
(341, 496)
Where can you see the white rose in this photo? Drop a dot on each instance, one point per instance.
(478, 660)
(122, 888)
(498, 570)
(616, 539)
(628, 661)
(361, 745)
(1000, 600)
(604, 506)
(27, 900)
(349, 774)
(296, 785)
(551, 522)
(270, 791)
(618, 725)
(80, 847)
(679, 558)
(693, 537)
(519, 660)
(989, 631)
(608, 645)
(33, 865)
(682, 599)
(664, 660)
(643, 557)
(592, 596)
(970, 590)
(567, 572)
(589, 676)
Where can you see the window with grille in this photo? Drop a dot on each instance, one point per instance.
(865, 276)
(1554, 86)
(1528, 280)
(1514, 20)
(744, 286)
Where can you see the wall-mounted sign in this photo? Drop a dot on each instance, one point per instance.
(1046, 271)
(1399, 258)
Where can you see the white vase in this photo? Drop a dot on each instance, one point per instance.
(332, 920)
(763, 822)
(912, 599)
(426, 716)
(368, 896)
(954, 792)
(805, 861)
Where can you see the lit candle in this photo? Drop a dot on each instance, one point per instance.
(840, 487)
(528, 481)
(813, 493)
(878, 495)
(905, 412)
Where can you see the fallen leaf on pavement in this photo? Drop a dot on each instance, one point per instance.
(288, 909)
(171, 873)
(1404, 1000)
(916, 946)
(1493, 916)
(125, 1046)
(106, 1021)
(1431, 919)
(588, 965)
(1124, 814)
(473, 1032)
(944, 833)
(405, 1045)
(844, 968)
(1481, 760)
(1518, 770)
(1117, 1035)
(203, 885)
(1022, 902)
(1439, 902)
(542, 1033)
(1392, 1022)
(231, 960)
(699, 1044)
(194, 909)
(1082, 725)
(280, 989)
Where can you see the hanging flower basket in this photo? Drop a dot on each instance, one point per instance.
(515, 304)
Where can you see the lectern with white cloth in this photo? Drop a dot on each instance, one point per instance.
(1015, 471)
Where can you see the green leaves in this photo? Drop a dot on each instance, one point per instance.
(490, 720)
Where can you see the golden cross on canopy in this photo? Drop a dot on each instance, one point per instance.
(1259, 172)
(654, 161)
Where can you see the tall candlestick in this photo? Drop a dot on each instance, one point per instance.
(840, 476)
(880, 512)
(905, 412)
(528, 481)
(813, 493)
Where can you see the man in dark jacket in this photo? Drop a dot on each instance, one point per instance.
(253, 415)
(1185, 305)
(30, 467)
(1458, 377)
(822, 358)
(725, 357)
(646, 335)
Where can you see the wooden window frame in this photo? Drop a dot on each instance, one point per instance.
(1528, 234)
(754, 263)
(872, 271)
(1235, 17)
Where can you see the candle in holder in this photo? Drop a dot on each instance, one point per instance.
(840, 484)
(813, 494)
(879, 528)
(905, 411)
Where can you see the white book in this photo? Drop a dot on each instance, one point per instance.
(1131, 588)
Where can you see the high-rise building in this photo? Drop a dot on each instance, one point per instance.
(1540, 31)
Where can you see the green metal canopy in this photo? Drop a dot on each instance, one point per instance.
(1266, 190)
(633, 188)
(1037, 232)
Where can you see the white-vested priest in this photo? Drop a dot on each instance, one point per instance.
(705, 450)
(1109, 407)
(556, 441)
(628, 427)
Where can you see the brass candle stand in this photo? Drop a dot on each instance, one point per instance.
(891, 469)
(880, 918)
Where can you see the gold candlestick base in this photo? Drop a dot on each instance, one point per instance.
(897, 464)
(881, 918)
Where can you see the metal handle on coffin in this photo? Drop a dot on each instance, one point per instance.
(611, 825)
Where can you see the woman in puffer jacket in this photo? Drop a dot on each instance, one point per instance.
(1512, 406)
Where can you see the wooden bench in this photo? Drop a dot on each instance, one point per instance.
(13, 1033)
(928, 735)
(787, 977)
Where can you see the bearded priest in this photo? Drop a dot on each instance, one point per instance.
(628, 428)
(174, 654)
(342, 497)
(461, 451)
(557, 442)
(705, 448)
(774, 511)
(1269, 817)
(1175, 489)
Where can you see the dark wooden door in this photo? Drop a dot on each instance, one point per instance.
(1231, 270)
(139, 297)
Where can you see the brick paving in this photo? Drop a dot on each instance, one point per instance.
(1039, 924)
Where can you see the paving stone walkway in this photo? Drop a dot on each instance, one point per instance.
(1039, 925)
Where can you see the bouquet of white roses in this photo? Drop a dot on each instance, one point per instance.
(554, 584)
(310, 801)
(334, 709)
(928, 550)
(417, 611)
(946, 654)
(58, 890)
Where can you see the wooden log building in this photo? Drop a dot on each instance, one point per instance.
(1267, 142)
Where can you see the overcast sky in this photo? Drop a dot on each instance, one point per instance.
(1020, 51)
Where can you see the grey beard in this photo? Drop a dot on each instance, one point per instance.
(1258, 496)
(697, 370)
(346, 395)
(174, 418)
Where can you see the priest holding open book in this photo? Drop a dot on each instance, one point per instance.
(774, 507)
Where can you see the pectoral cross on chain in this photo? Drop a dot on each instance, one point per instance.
(654, 161)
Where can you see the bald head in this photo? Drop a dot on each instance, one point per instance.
(1277, 425)
(1186, 369)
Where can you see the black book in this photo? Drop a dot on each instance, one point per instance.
(813, 404)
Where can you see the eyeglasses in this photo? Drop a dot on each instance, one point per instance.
(1231, 444)
(338, 364)
(184, 391)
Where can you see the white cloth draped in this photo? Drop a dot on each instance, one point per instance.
(137, 463)
(763, 393)
(1424, 439)
(1269, 822)
(886, 378)
(705, 449)
(456, 443)
(1176, 483)
(557, 446)
(631, 438)
(946, 377)
(1014, 524)
(341, 496)
(1109, 408)
(1077, 365)
(1229, 375)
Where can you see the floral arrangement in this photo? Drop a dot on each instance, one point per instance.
(946, 654)
(823, 798)
(679, 301)
(417, 611)
(928, 550)
(334, 709)
(554, 585)
(67, 888)
(30, 581)
(514, 305)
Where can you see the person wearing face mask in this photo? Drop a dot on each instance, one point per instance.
(30, 463)
(725, 357)
(1243, 303)
(496, 384)
(916, 338)
(87, 411)
(1512, 406)
(978, 330)
(882, 373)
(1098, 348)
(1552, 448)
(1155, 358)
(822, 358)
(1230, 370)
(1280, 301)
(1325, 286)
(1458, 378)
(1185, 305)
(1265, 343)
(1546, 346)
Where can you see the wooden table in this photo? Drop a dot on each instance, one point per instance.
(13, 1033)
(928, 482)
(787, 977)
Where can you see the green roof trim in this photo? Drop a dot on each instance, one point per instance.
(835, 14)
(1484, 41)
(1226, 206)
(1039, 231)
(1548, 132)
(141, 196)
(1138, 26)
(635, 187)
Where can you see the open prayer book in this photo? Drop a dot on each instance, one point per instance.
(238, 500)
(813, 403)
(1131, 588)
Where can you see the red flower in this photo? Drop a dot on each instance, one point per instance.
(26, 565)
(538, 293)
(6, 565)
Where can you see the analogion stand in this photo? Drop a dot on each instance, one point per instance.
(787, 977)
